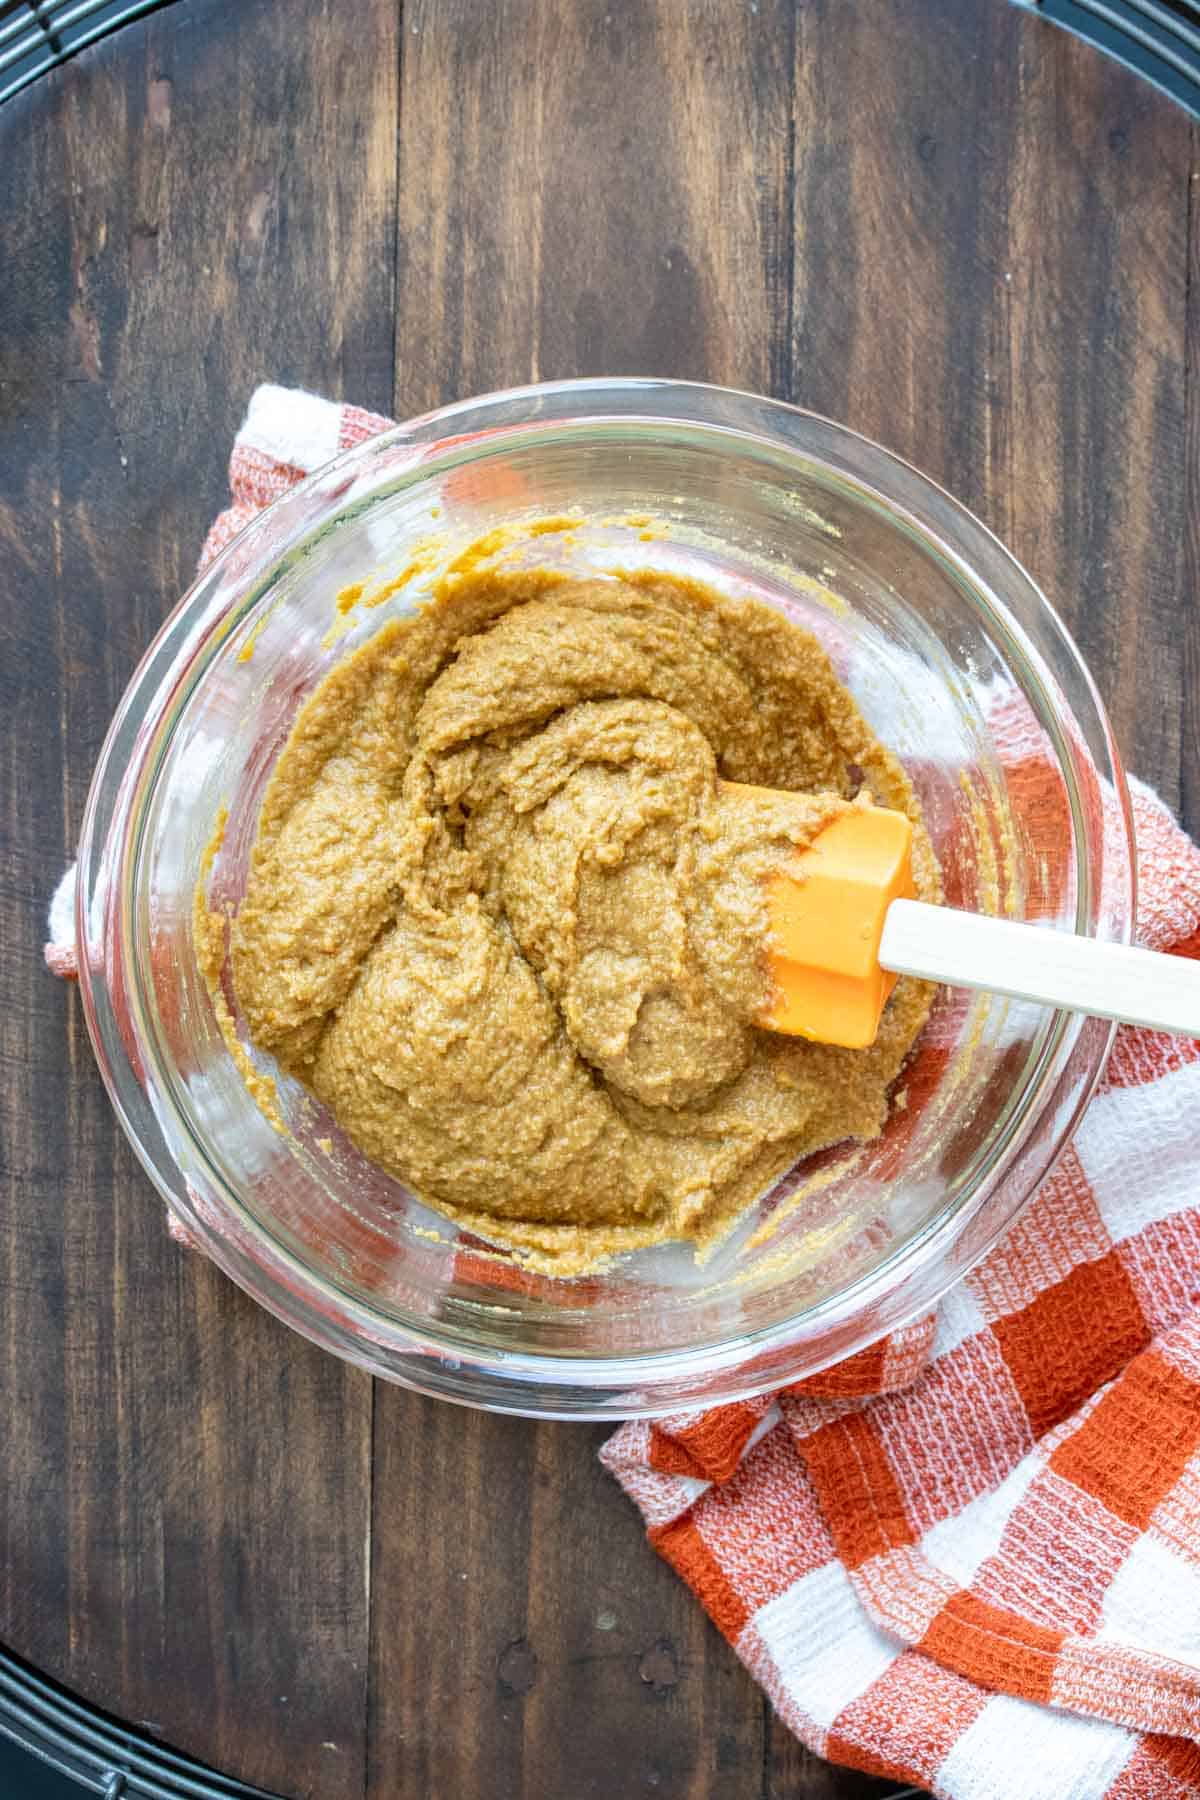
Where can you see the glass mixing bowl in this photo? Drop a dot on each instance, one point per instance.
(957, 662)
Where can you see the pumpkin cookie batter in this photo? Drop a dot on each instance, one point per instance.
(506, 922)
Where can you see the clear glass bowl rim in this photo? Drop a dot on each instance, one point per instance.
(544, 1384)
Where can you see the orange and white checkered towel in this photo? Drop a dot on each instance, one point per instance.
(969, 1557)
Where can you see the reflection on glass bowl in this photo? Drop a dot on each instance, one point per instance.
(956, 661)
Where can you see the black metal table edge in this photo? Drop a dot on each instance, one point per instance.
(38, 35)
(1157, 39)
(89, 1747)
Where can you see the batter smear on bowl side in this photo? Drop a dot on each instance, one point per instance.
(506, 922)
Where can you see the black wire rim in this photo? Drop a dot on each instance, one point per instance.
(37, 35)
(1160, 39)
(98, 1752)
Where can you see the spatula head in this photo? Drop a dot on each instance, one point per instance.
(827, 909)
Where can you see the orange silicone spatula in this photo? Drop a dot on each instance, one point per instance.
(844, 924)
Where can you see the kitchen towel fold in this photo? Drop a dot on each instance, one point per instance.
(968, 1558)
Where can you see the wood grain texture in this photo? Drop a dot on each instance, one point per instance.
(558, 1655)
(1189, 597)
(184, 1508)
(990, 278)
(941, 220)
(593, 188)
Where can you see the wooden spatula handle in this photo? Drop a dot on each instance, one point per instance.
(1110, 981)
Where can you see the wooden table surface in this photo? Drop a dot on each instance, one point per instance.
(942, 221)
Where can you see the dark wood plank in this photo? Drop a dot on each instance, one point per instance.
(990, 279)
(1189, 594)
(558, 1654)
(607, 192)
(1096, 504)
(205, 199)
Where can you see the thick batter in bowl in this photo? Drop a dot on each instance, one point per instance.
(953, 659)
(506, 914)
